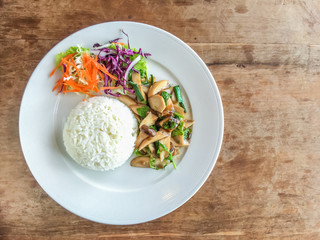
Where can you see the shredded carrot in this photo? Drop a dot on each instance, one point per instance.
(87, 76)
(60, 64)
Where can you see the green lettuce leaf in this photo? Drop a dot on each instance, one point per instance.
(141, 66)
(113, 46)
(71, 50)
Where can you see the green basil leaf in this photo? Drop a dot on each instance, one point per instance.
(179, 130)
(142, 111)
(165, 96)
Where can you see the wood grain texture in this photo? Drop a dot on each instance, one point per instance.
(264, 56)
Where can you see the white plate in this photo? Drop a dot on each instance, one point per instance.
(126, 195)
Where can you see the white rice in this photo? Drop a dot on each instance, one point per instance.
(100, 133)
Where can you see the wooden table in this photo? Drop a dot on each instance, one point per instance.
(264, 56)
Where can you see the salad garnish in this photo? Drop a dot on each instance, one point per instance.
(105, 68)
(81, 73)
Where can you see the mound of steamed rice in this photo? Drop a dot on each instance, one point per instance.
(100, 133)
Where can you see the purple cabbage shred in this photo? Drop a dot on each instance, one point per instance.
(117, 62)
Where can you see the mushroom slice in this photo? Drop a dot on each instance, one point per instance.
(159, 135)
(148, 130)
(152, 148)
(178, 109)
(142, 136)
(166, 114)
(127, 100)
(145, 89)
(149, 120)
(136, 78)
(157, 103)
(175, 144)
(172, 148)
(143, 162)
(157, 87)
(135, 107)
(175, 150)
(170, 106)
(188, 123)
(160, 164)
(137, 117)
(168, 90)
(132, 95)
(178, 141)
(166, 142)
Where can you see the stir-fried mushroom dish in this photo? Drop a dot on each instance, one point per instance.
(163, 127)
